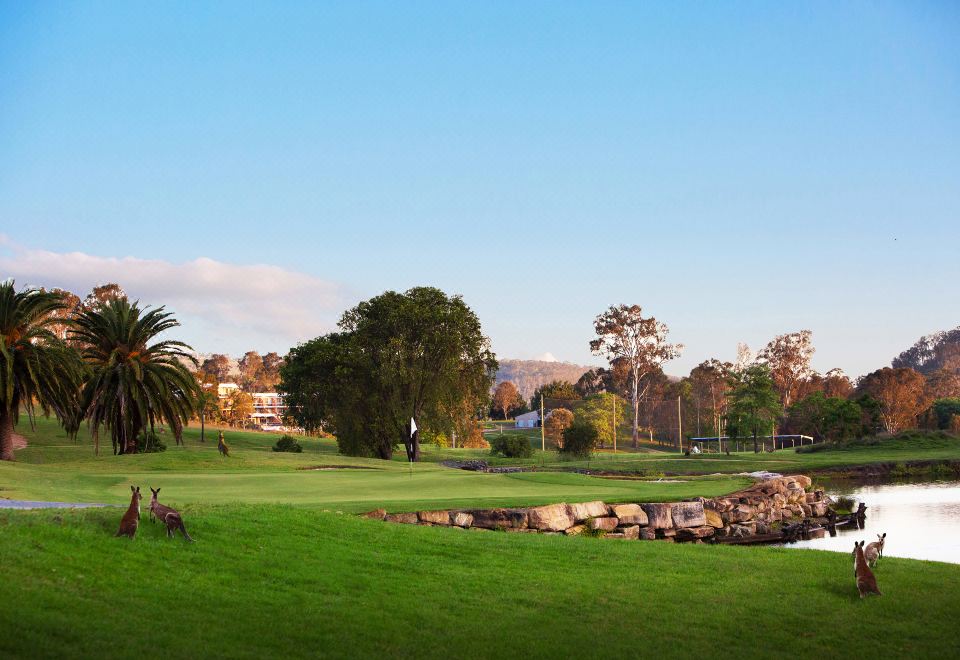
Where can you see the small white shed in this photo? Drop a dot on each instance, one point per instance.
(528, 420)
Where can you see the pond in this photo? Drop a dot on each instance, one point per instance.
(921, 519)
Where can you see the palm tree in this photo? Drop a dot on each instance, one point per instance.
(37, 369)
(134, 384)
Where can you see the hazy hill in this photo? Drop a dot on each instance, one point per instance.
(528, 375)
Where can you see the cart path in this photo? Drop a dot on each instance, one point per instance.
(33, 504)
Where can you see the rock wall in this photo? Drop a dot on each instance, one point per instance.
(759, 509)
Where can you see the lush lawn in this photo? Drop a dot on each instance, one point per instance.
(275, 581)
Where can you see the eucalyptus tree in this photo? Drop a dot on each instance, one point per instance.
(37, 369)
(135, 380)
(754, 406)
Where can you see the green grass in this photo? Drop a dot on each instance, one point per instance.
(275, 581)
(277, 572)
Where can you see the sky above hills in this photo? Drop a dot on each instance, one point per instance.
(740, 170)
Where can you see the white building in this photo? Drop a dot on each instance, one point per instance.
(268, 407)
(528, 420)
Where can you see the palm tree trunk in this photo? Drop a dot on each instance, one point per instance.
(6, 435)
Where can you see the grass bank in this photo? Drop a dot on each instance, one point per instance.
(275, 581)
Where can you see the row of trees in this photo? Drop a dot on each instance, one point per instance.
(96, 360)
(257, 373)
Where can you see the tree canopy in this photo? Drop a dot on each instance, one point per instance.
(419, 354)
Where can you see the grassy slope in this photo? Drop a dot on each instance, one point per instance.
(267, 579)
(273, 581)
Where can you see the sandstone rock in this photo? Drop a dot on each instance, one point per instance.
(658, 515)
(687, 514)
(810, 498)
(775, 516)
(575, 530)
(435, 517)
(630, 531)
(667, 533)
(763, 528)
(499, 518)
(524, 530)
(583, 510)
(807, 510)
(819, 509)
(802, 479)
(613, 536)
(405, 518)
(461, 518)
(605, 524)
(629, 514)
(779, 501)
(550, 518)
(713, 518)
(376, 514)
(693, 533)
(740, 513)
(648, 533)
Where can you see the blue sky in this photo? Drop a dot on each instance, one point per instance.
(739, 169)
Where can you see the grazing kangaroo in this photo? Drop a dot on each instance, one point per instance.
(866, 582)
(222, 445)
(131, 519)
(874, 551)
(170, 517)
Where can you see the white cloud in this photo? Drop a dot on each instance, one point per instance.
(222, 307)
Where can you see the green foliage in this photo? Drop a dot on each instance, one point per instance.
(134, 384)
(555, 389)
(289, 444)
(37, 369)
(579, 439)
(149, 442)
(510, 446)
(754, 404)
(419, 353)
(598, 411)
(826, 417)
(945, 411)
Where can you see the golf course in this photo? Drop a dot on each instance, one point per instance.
(281, 567)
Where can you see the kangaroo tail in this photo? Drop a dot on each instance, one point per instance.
(183, 529)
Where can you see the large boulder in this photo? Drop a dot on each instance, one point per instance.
(461, 518)
(575, 530)
(801, 479)
(648, 533)
(376, 514)
(713, 518)
(583, 510)
(819, 509)
(687, 514)
(693, 533)
(630, 531)
(629, 514)
(605, 524)
(405, 518)
(739, 513)
(499, 518)
(435, 517)
(550, 518)
(658, 515)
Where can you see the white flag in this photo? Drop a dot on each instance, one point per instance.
(413, 427)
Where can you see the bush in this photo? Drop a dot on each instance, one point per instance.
(288, 443)
(149, 442)
(511, 446)
(579, 440)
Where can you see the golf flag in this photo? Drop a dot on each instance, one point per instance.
(413, 427)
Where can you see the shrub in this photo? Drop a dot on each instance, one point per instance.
(511, 446)
(579, 440)
(558, 421)
(149, 442)
(288, 443)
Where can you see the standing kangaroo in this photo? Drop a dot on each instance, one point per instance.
(131, 519)
(170, 517)
(866, 582)
(222, 445)
(874, 551)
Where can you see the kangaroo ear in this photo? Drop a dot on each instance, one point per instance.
(138, 489)
(132, 489)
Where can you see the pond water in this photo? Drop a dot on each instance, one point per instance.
(921, 519)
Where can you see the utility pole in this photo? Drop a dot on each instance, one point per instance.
(679, 426)
(543, 437)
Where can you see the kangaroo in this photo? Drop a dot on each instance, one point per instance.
(866, 582)
(131, 519)
(222, 445)
(170, 517)
(874, 551)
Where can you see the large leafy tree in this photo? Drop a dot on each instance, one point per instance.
(788, 357)
(506, 397)
(710, 382)
(136, 382)
(419, 354)
(606, 412)
(623, 333)
(901, 394)
(37, 369)
(560, 390)
(754, 404)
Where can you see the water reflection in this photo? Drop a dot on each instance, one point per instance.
(922, 520)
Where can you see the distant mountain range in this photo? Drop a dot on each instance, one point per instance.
(528, 375)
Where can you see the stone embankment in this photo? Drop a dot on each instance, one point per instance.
(758, 510)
